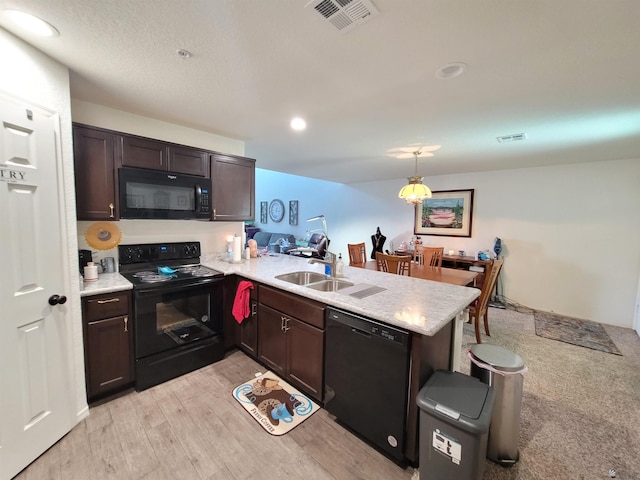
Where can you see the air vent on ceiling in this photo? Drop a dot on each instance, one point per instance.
(344, 14)
(516, 137)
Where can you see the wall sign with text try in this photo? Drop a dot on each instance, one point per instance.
(8, 174)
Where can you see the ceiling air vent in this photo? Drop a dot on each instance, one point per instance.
(516, 137)
(344, 14)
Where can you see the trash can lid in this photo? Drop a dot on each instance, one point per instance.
(498, 357)
(456, 391)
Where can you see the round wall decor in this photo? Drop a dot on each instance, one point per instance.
(276, 210)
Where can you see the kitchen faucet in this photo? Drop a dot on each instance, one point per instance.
(324, 242)
(331, 263)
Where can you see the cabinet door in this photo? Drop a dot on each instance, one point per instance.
(272, 339)
(109, 362)
(249, 331)
(144, 153)
(189, 161)
(233, 180)
(94, 163)
(305, 362)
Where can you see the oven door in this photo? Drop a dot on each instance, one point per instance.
(168, 317)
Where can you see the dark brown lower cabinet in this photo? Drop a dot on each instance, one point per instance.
(108, 343)
(249, 330)
(291, 338)
(272, 339)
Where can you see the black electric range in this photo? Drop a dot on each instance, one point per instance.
(177, 310)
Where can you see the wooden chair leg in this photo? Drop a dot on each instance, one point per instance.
(476, 323)
(486, 322)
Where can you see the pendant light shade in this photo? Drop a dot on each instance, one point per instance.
(415, 191)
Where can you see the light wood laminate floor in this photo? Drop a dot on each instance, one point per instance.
(192, 428)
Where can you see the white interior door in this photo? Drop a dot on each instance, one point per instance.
(36, 406)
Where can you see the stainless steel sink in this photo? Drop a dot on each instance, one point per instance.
(330, 285)
(302, 278)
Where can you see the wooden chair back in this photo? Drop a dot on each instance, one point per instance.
(357, 254)
(431, 256)
(398, 264)
(480, 307)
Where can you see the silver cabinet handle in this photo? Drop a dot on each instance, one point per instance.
(111, 215)
(126, 324)
(109, 300)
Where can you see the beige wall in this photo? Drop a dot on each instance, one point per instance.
(105, 117)
(570, 233)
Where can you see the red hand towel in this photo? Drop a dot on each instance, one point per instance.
(241, 308)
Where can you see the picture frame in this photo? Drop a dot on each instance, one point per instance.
(293, 212)
(447, 213)
(264, 212)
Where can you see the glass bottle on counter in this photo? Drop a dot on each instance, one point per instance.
(339, 266)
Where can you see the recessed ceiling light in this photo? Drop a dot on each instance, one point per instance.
(298, 124)
(32, 24)
(451, 70)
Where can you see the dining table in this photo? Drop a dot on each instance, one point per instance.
(452, 276)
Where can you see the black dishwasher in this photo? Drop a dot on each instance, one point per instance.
(366, 378)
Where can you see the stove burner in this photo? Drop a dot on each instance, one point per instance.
(154, 277)
(196, 271)
(144, 273)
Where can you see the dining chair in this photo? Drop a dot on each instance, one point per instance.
(357, 254)
(431, 256)
(398, 264)
(480, 307)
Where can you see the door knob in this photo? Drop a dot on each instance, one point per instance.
(57, 299)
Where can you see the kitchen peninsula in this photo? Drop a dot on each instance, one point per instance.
(428, 310)
(418, 305)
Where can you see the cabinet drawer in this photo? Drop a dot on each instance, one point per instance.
(106, 306)
(308, 311)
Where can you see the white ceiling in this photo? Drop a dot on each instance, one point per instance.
(565, 72)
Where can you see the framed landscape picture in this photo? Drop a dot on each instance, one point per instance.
(447, 213)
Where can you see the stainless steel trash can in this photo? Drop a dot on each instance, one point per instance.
(455, 413)
(504, 371)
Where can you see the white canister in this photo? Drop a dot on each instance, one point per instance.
(90, 272)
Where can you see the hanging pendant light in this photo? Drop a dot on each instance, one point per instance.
(415, 191)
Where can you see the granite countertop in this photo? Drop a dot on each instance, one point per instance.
(106, 283)
(418, 305)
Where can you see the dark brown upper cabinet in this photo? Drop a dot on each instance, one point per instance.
(144, 153)
(188, 160)
(158, 155)
(233, 180)
(94, 165)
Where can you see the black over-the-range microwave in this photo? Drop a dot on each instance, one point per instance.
(154, 194)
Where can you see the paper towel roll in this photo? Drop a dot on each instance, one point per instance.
(237, 249)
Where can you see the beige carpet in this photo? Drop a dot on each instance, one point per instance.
(580, 407)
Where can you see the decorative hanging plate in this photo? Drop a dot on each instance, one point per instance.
(103, 235)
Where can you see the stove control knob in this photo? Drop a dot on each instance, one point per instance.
(191, 250)
(132, 253)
